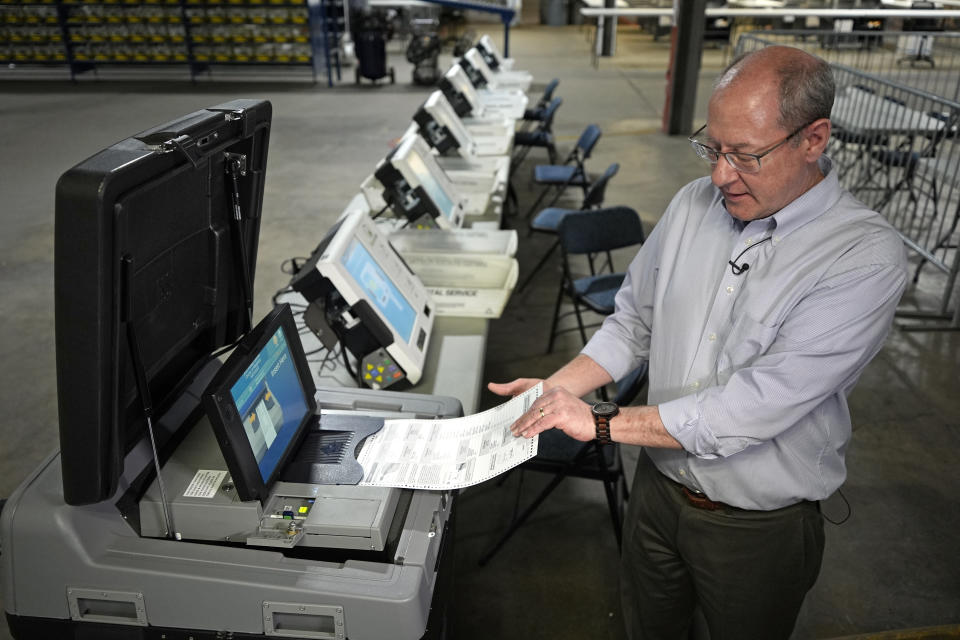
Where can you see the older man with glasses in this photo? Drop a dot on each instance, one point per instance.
(758, 300)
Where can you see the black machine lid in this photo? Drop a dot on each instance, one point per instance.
(146, 237)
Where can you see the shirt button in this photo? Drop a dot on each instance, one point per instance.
(712, 337)
(695, 385)
(729, 289)
(682, 472)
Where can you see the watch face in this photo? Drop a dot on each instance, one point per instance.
(605, 409)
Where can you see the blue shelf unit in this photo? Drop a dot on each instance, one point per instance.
(198, 34)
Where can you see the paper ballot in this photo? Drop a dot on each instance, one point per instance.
(451, 453)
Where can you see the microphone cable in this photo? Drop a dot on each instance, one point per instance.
(738, 269)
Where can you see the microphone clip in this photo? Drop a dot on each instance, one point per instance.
(736, 268)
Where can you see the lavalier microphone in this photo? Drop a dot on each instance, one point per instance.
(737, 269)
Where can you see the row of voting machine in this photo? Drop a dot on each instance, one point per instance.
(435, 201)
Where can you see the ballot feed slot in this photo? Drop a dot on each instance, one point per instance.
(293, 620)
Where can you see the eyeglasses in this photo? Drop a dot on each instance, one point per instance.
(742, 162)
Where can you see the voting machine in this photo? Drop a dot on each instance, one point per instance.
(204, 488)
(410, 180)
(364, 297)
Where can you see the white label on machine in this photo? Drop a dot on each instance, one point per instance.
(205, 483)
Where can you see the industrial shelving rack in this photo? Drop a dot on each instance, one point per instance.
(32, 33)
(85, 34)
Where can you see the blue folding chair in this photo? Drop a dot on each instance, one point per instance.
(589, 233)
(541, 136)
(548, 220)
(572, 173)
(536, 112)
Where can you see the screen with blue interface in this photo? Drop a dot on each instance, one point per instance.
(271, 402)
(379, 289)
(430, 185)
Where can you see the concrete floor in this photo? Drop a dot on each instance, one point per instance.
(891, 565)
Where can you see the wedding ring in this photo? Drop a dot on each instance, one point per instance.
(541, 412)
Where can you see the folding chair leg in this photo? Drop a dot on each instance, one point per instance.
(513, 205)
(624, 486)
(543, 261)
(518, 522)
(556, 317)
(583, 331)
(556, 196)
(518, 158)
(536, 202)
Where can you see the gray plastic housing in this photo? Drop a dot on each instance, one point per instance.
(52, 549)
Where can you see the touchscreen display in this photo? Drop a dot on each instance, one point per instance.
(430, 185)
(380, 290)
(271, 403)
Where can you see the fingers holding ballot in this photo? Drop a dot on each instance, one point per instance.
(557, 408)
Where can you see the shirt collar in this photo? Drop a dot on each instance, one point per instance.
(810, 205)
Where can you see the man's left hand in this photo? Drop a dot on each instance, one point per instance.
(557, 409)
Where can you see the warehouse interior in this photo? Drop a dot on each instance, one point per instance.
(890, 562)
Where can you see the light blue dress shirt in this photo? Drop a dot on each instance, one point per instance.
(751, 372)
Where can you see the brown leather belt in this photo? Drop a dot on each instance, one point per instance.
(701, 501)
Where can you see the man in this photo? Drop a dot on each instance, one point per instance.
(757, 300)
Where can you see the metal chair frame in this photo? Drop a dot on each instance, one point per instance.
(575, 161)
(592, 199)
(590, 233)
(561, 456)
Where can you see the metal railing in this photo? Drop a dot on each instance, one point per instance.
(924, 60)
(896, 144)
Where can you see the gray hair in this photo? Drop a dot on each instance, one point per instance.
(807, 87)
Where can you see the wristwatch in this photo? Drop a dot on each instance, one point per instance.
(603, 412)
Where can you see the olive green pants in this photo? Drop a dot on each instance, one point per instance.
(747, 570)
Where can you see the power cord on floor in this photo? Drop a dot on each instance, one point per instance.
(844, 518)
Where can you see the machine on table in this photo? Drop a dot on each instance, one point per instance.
(481, 183)
(410, 181)
(470, 99)
(492, 56)
(362, 295)
(238, 536)
(459, 152)
(474, 62)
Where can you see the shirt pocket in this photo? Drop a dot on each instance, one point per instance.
(748, 340)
